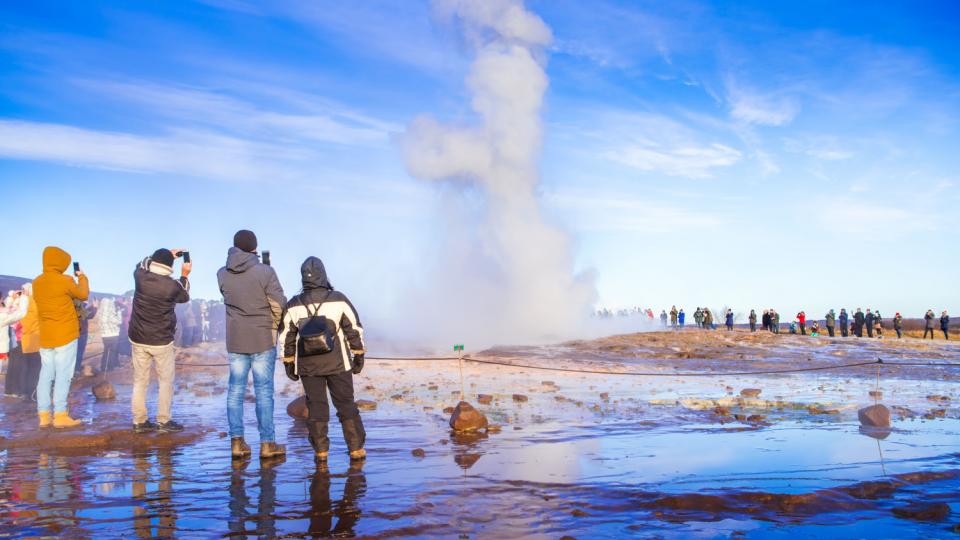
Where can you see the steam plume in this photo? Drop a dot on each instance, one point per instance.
(509, 272)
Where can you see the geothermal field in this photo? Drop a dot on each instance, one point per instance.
(605, 454)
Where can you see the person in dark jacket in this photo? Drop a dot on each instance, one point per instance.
(765, 319)
(729, 319)
(844, 322)
(945, 324)
(928, 323)
(254, 305)
(878, 324)
(322, 311)
(152, 326)
(830, 319)
(753, 320)
(868, 320)
(85, 312)
(898, 325)
(858, 323)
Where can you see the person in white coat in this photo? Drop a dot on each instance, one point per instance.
(14, 308)
(108, 318)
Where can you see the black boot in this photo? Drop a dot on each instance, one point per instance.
(355, 437)
(319, 439)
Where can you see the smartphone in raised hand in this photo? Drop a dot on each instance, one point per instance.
(186, 256)
(76, 268)
(266, 257)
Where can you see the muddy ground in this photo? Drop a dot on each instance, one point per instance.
(585, 455)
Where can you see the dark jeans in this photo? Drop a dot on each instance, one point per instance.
(81, 348)
(946, 334)
(830, 330)
(753, 327)
(844, 329)
(870, 330)
(111, 353)
(925, 330)
(16, 371)
(803, 329)
(899, 333)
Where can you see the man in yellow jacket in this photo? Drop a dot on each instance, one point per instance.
(59, 330)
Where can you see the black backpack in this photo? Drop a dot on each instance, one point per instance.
(317, 333)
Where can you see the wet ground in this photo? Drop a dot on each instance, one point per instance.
(584, 455)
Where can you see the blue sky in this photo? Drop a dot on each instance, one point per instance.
(749, 154)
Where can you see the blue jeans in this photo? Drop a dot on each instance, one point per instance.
(263, 365)
(56, 368)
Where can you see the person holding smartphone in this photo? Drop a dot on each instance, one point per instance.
(152, 326)
(55, 294)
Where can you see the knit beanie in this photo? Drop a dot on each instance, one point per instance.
(163, 256)
(245, 240)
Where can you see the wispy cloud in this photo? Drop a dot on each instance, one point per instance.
(627, 213)
(762, 109)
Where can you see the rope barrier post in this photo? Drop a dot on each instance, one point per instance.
(459, 350)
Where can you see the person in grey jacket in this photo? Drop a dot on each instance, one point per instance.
(254, 306)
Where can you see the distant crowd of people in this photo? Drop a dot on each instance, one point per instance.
(860, 323)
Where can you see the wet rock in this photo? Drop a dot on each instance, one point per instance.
(418, 452)
(935, 413)
(875, 432)
(297, 409)
(448, 410)
(548, 383)
(923, 511)
(397, 397)
(876, 394)
(605, 396)
(465, 418)
(366, 405)
(520, 398)
(484, 399)
(494, 428)
(104, 391)
(817, 409)
(938, 398)
(756, 418)
(433, 387)
(877, 416)
(750, 392)
(721, 411)
(576, 512)
(465, 461)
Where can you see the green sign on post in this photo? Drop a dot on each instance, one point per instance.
(458, 347)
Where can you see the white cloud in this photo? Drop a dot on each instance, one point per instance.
(761, 109)
(689, 161)
(184, 152)
(625, 213)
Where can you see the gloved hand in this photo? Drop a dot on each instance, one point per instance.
(357, 364)
(290, 367)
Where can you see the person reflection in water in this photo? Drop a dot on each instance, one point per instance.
(346, 510)
(155, 509)
(264, 520)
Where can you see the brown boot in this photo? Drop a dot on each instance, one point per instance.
(272, 450)
(63, 420)
(45, 419)
(358, 455)
(239, 448)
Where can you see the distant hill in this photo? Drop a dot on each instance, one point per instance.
(13, 282)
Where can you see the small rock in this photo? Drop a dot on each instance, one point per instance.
(578, 513)
(874, 416)
(750, 392)
(104, 391)
(923, 511)
(396, 397)
(548, 383)
(876, 394)
(297, 409)
(466, 418)
(448, 410)
(756, 418)
(484, 399)
(936, 397)
(520, 398)
(418, 452)
(720, 410)
(433, 387)
(605, 396)
(494, 429)
(366, 405)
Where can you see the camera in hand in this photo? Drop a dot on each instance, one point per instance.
(266, 257)
(186, 256)
(76, 267)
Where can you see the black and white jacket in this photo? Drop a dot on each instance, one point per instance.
(318, 295)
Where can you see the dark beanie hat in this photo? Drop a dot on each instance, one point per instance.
(245, 240)
(163, 256)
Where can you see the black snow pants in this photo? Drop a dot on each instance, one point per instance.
(341, 390)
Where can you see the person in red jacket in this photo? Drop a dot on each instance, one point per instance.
(802, 319)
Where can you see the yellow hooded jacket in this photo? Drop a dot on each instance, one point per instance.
(54, 293)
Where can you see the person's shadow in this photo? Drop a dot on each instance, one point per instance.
(346, 510)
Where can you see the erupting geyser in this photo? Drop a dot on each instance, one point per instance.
(510, 272)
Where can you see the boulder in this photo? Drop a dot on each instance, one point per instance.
(484, 399)
(104, 391)
(466, 418)
(877, 416)
(366, 405)
(750, 392)
(297, 409)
